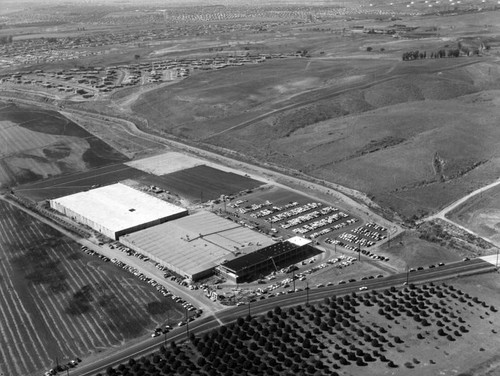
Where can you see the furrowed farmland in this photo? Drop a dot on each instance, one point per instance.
(58, 303)
(39, 143)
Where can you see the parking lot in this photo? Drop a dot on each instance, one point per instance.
(282, 214)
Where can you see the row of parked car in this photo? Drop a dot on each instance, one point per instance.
(268, 211)
(294, 212)
(159, 287)
(94, 253)
(321, 223)
(360, 241)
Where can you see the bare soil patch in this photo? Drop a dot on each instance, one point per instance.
(166, 163)
(202, 183)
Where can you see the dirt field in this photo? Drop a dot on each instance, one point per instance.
(202, 183)
(481, 214)
(57, 302)
(77, 182)
(167, 163)
(38, 144)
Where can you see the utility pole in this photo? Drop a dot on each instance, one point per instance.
(307, 292)
(187, 323)
(293, 279)
(249, 307)
(496, 264)
(407, 274)
(359, 254)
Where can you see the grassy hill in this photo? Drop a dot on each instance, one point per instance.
(414, 135)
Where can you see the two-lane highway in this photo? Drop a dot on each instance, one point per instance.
(149, 345)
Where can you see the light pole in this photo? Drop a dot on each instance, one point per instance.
(249, 307)
(407, 274)
(496, 264)
(187, 323)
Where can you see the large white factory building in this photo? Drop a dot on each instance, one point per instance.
(116, 210)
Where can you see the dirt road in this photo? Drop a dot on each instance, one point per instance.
(442, 214)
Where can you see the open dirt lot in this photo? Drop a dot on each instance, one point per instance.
(166, 163)
(58, 302)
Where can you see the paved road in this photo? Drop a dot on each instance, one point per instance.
(149, 345)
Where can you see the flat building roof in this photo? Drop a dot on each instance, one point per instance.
(239, 264)
(197, 242)
(118, 207)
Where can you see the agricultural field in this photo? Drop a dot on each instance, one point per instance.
(38, 144)
(201, 183)
(73, 183)
(58, 303)
(480, 214)
(190, 183)
(416, 330)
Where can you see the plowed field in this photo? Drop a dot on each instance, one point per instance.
(57, 302)
(37, 144)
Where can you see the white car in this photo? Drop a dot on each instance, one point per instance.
(363, 288)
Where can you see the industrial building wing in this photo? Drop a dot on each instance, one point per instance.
(116, 209)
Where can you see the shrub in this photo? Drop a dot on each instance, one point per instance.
(343, 361)
(360, 362)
